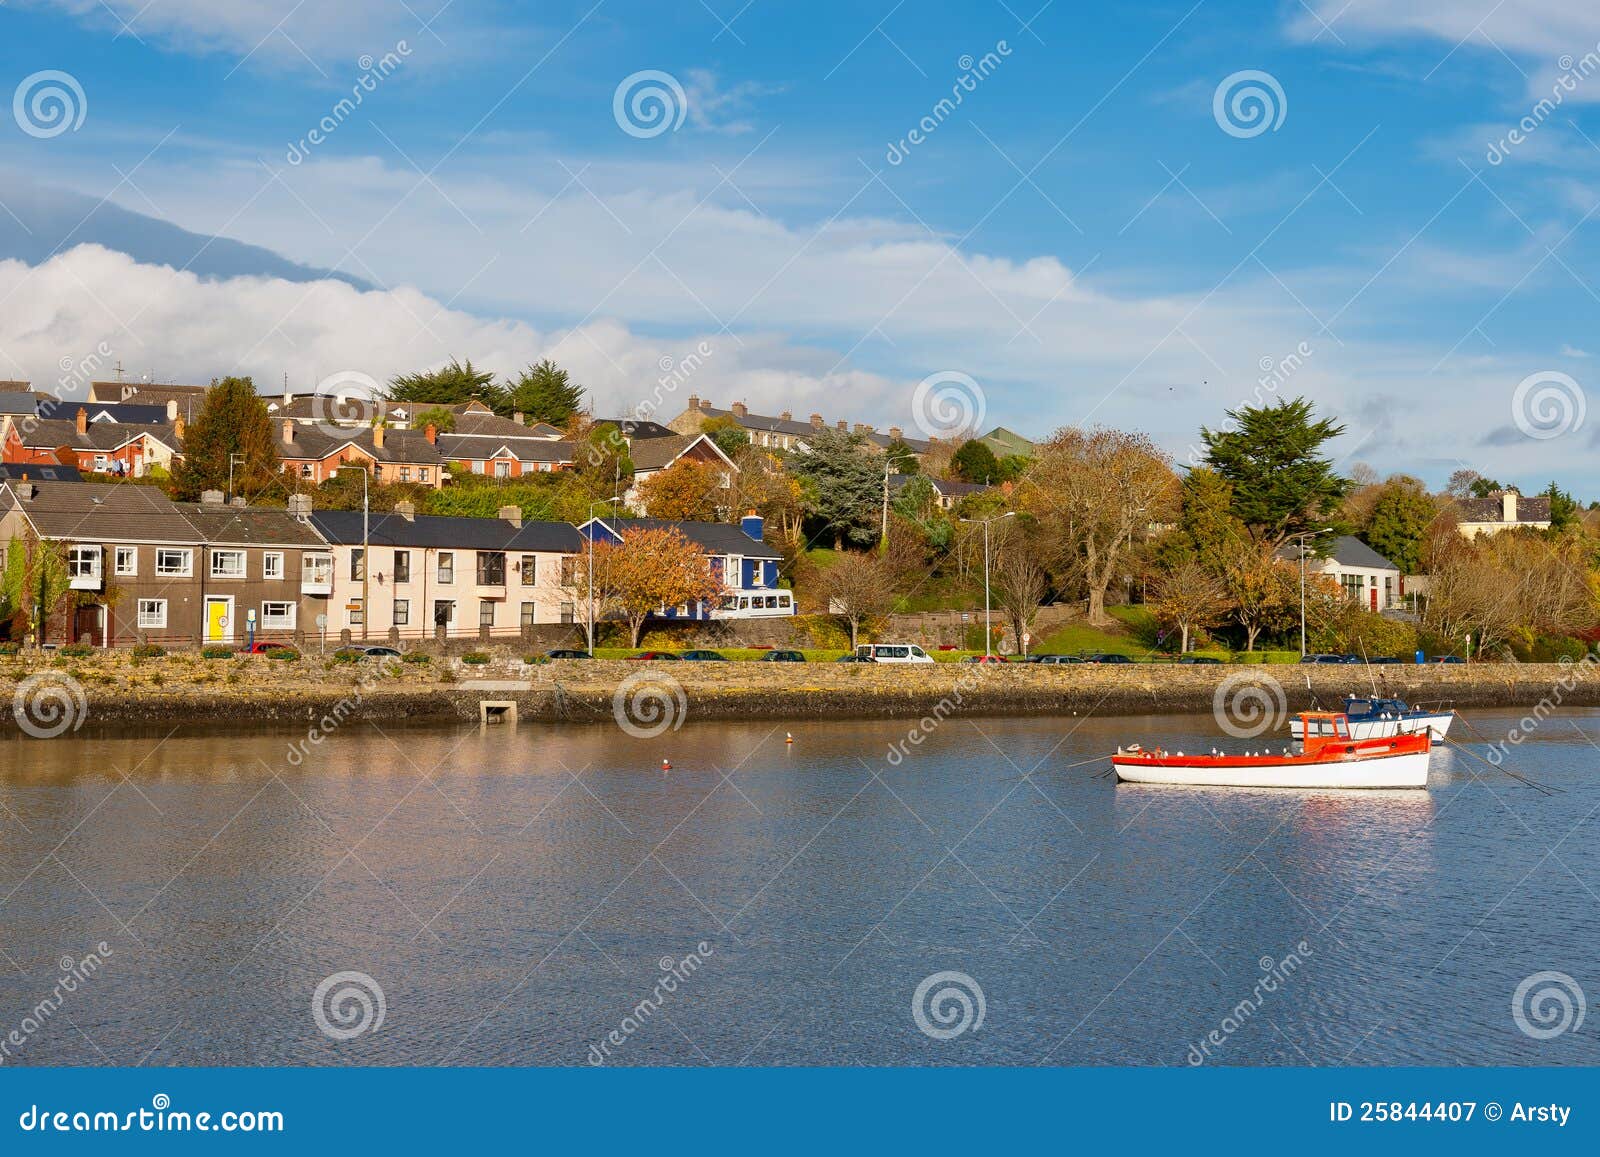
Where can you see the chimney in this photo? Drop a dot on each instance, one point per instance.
(172, 409)
(512, 514)
(25, 490)
(863, 428)
(816, 421)
(519, 418)
(786, 416)
(431, 433)
(377, 436)
(844, 427)
(739, 409)
(706, 405)
(754, 526)
(1508, 506)
(894, 433)
(694, 401)
(299, 505)
(406, 510)
(288, 429)
(82, 420)
(178, 427)
(211, 498)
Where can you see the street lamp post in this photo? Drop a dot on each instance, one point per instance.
(1301, 539)
(366, 551)
(590, 569)
(988, 633)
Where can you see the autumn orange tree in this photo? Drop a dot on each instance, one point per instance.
(687, 490)
(649, 572)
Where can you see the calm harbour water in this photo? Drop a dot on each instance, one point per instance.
(514, 891)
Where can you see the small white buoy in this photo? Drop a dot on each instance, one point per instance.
(666, 765)
(788, 737)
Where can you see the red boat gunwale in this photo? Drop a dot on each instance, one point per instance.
(1317, 749)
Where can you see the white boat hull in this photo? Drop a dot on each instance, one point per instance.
(1436, 724)
(1409, 771)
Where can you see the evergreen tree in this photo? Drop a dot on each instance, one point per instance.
(545, 393)
(232, 421)
(843, 486)
(1282, 485)
(1400, 520)
(1563, 508)
(450, 385)
(975, 462)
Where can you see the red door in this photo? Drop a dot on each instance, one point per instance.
(1374, 594)
(86, 627)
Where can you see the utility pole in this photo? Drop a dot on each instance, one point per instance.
(366, 552)
(888, 467)
(988, 632)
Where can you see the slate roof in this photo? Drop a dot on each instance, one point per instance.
(950, 488)
(15, 398)
(1352, 552)
(38, 472)
(151, 394)
(446, 533)
(248, 525)
(459, 446)
(407, 446)
(66, 409)
(1535, 509)
(103, 512)
(638, 427)
(659, 453)
(494, 426)
(781, 425)
(53, 432)
(713, 537)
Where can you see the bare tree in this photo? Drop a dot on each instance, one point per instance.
(858, 587)
(1189, 597)
(1018, 579)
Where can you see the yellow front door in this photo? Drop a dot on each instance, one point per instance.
(218, 626)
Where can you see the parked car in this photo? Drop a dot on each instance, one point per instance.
(361, 652)
(1449, 659)
(984, 659)
(567, 653)
(651, 656)
(893, 653)
(704, 657)
(1056, 660)
(1323, 659)
(784, 657)
(1200, 660)
(263, 647)
(1107, 657)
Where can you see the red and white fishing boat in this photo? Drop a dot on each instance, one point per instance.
(1334, 759)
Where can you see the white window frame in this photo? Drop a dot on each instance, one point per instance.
(355, 618)
(528, 570)
(131, 567)
(282, 621)
(446, 565)
(272, 564)
(183, 569)
(152, 614)
(217, 555)
(402, 612)
(85, 562)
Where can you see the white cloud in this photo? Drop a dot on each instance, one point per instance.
(278, 30)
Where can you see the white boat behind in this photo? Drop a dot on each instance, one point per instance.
(1374, 717)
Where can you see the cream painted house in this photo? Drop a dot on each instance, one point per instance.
(431, 575)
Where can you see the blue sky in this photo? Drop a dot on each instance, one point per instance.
(1081, 237)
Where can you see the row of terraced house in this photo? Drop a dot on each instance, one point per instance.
(144, 568)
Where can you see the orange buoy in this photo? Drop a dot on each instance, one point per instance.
(666, 765)
(788, 737)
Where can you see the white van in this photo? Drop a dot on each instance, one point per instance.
(893, 653)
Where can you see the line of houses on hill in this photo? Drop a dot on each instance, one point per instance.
(143, 568)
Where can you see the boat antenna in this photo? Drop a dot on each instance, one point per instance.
(1368, 662)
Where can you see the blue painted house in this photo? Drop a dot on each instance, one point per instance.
(738, 554)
